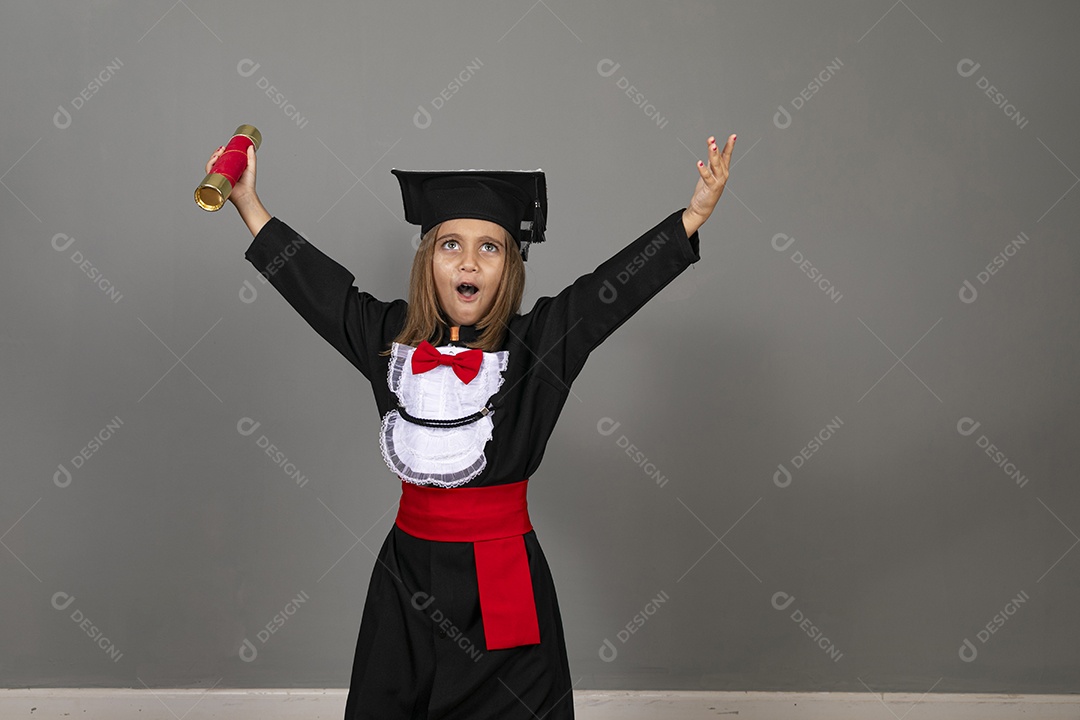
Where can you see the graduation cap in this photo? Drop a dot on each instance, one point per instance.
(514, 199)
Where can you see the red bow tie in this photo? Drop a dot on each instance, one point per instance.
(466, 364)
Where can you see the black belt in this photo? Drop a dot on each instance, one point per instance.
(486, 410)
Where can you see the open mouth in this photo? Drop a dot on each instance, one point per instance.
(466, 291)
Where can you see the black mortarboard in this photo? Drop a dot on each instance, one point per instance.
(515, 199)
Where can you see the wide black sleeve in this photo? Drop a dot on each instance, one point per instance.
(324, 294)
(567, 327)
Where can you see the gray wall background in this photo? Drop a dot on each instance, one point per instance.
(869, 154)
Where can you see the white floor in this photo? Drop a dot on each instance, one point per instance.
(244, 704)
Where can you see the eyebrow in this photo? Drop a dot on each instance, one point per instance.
(456, 236)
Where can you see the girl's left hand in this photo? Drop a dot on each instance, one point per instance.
(710, 185)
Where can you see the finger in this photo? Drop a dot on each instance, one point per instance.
(719, 159)
(708, 172)
(705, 172)
(714, 155)
(216, 154)
(729, 147)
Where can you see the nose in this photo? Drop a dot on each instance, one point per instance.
(468, 260)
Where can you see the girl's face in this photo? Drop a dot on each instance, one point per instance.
(472, 252)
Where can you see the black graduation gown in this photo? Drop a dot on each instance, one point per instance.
(423, 656)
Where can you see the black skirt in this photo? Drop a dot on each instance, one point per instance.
(421, 653)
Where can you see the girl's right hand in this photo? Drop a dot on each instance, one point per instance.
(245, 187)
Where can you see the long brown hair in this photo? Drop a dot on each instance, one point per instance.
(425, 317)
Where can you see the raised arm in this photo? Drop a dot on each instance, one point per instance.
(324, 294)
(252, 211)
(572, 324)
(320, 289)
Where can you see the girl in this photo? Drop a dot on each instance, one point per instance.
(461, 620)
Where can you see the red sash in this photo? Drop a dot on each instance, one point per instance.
(493, 519)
